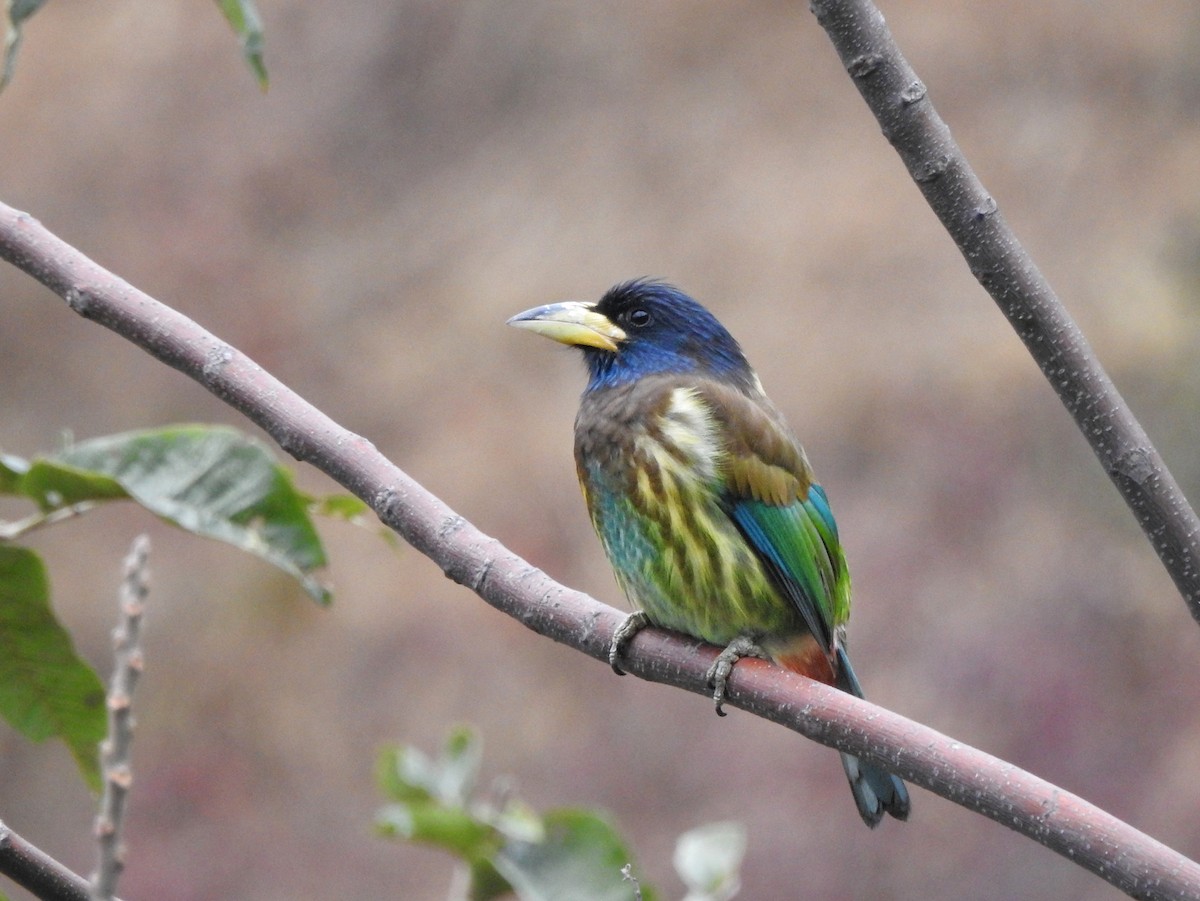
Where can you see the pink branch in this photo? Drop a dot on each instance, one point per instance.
(1118, 853)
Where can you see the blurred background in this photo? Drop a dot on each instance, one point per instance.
(421, 170)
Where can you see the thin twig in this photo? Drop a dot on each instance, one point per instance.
(1097, 841)
(902, 106)
(115, 761)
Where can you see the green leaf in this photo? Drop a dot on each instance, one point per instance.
(709, 859)
(15, 13)
(407, 774)
(486, 883)
(452, 828)
(566, 855)
(580, 860)
(353, 510)
(46, 691)
(516, 820)
(210, 480)
(458, 765)
(11, 470)
(243, 16)
(340, 506)
(52, 484)
(216, 482)
(401, 774)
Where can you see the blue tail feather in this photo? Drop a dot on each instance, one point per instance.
(876, 791)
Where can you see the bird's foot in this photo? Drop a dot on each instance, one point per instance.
(718, 673)
(634, 623)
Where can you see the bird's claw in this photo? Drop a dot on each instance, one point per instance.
(718, 674)
(633, 624)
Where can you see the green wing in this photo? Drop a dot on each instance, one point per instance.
(784, 516)
(800, 548)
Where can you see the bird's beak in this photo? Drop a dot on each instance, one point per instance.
(572, 322)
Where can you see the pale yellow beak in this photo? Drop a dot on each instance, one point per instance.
(571, 322)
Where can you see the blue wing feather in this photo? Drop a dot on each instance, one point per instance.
(820, 505)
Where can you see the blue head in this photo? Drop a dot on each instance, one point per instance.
(642, 328)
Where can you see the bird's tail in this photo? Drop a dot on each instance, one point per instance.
(876, 791)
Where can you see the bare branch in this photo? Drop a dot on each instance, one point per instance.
(1118, 853)
(115, 749)
(901, 103)
(37, 872)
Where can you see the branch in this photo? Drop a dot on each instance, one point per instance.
(38, 872)
(115, 749)
(900, 102)
(1115, 851)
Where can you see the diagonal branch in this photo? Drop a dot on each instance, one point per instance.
(901, 103)
(1118, 853)
(35, 870)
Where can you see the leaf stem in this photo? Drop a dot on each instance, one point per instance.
(11, 531)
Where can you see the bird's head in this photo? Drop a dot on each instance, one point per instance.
(642, 328)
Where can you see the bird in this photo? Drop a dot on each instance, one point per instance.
(703, 499)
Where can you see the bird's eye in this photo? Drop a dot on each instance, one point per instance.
(639, 318)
